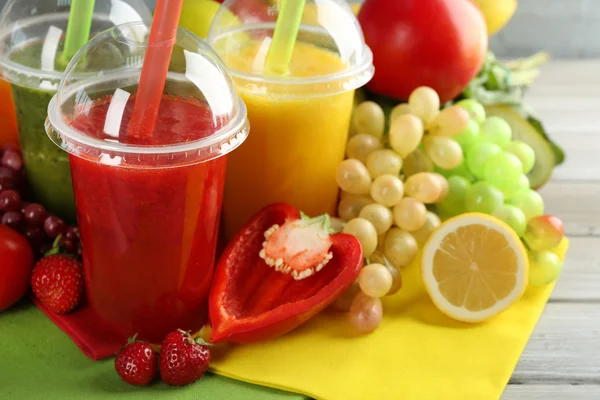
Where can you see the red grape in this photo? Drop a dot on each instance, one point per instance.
(35, 214)
(54, 226)
(24, 205)
(72, 233)
(20, 181)
(6, 174)
(35, 235)
(6, 185)
(68, 245)
(13, 219)
(10, 201)
(12, 159)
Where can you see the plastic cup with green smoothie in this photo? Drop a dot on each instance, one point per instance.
(32, 35)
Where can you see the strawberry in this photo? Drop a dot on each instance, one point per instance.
(136, 363)
(183, 360)
(57, 281)
(299, 247)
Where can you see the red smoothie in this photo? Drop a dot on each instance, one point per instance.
(149, 232)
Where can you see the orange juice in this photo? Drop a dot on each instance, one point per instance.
(297, 139)
(9, 134)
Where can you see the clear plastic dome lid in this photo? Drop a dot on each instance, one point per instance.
(32, 36)
(200, 116)
(330, 55)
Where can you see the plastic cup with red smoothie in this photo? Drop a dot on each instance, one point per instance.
(148, 206)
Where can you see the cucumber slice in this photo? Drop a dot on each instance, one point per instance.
(545, 160)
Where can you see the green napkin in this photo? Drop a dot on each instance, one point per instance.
(38, 361)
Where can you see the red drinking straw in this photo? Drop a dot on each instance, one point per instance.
(155, 68)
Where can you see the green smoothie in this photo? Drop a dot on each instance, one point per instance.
(47, 166)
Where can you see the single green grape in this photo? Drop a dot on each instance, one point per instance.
(469, 136)
(443, 151)
(375, 280)
(424, 103)
(484, 198)
(544, 267)
(454, 202)
(365, 232)
(529, 201)
(544, 232)
(513, 217)
(521, 184)
(496, 130)
(474, 108)
(432, 222)
(508, 188)
(369, 118)
(461, 170)
(524, 153)
(478, 155)
(416, 162)
(502, 170)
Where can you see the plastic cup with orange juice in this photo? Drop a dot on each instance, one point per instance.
(300, 119)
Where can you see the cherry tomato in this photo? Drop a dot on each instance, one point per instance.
(16, 263)
(437, 43)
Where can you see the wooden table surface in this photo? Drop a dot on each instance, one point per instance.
(562, 358)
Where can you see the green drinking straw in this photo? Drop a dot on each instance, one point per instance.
(78, 27)
(284, 37)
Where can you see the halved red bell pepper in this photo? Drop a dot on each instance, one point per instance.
(251, 301)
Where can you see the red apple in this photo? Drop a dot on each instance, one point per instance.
(437, 43)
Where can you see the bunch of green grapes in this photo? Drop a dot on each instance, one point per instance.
(387, 181)
(457, 159)
(492, 179)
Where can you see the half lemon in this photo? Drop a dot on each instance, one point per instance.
(474, 267)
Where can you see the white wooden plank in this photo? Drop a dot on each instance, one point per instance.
(580, 278)
(563, 72)
(551, 392)
(582, 148)
(565, 98)
(577, 204)
(564, 348)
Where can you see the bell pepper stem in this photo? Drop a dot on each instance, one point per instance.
(323, 220)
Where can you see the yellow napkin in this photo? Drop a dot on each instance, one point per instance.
(417, 352)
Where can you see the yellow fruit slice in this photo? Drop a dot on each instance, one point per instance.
(474, 267)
